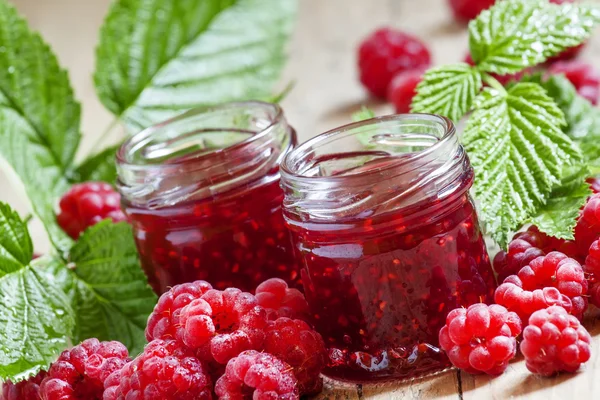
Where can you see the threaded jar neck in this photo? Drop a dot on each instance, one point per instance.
(204, 152)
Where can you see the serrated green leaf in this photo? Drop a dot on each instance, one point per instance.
(364, 114)
(39, 117)
(558, 216)
(110, 292)
(157, 58)
(34, 313)
(517, 148)
(99, 167)
(515, 34)
(448, 90)
(16, 249)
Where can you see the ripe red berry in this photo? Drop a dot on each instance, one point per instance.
(294, 342)
(164, 320)
(466, 10)
(28, 389)
(222, 324)
(583, 76)
(480, 338)
(554, 279)
(387, 52)
(86, 204)
(594, 184)
(554, 341)
(279, 300)
(80, 373)
(258, 376)
(403, 89)
(588, 226)
(165, 370)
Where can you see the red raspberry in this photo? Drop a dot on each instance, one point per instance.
(554, 341)
(28, 389)
(279, 300)
(295, 343)
(588, 226)
(222, 324)
(480, 338)
(260, 376)
(403, 88)
(165, 370)
(79, 373)
(387, 52)
(86, 204)
(164, 320)
(592, 267)
(554, 279)
(594, 184)
(583, 76)
(466, 10)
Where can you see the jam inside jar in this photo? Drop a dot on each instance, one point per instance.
(388, 242)
(202, 193)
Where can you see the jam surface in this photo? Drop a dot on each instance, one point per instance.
(380, 288)
(236, 239)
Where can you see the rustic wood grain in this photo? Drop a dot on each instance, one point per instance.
(326, 93)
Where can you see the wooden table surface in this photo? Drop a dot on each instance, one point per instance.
(327, 92)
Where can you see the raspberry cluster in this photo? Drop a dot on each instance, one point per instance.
(279, 300)
(25, 390)
(554, 279)
(554, 341)
(86, 204)
(481, 338)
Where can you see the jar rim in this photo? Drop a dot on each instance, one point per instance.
(287, 166)
(125, 150)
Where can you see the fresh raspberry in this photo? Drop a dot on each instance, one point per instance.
(594, 184)
(279, 300)
(163, 323)
(387, 52)
(165, 370)
(554, 341)
(28, 389)
(295, 343)
(583, 76)
(588, 225)
(592, 268)
(403, 88)
(222, 324)
(480, 338)
(554, 279)
(86, 204)
(466, 10)
(260, 376)
(79, 373)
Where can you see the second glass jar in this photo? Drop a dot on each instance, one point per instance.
(202, 193)
(388, 241)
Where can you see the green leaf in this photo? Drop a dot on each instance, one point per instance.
(109, 291)
(39, 117)
(558, 216)
(448, 90)
(517, 148)
(99, 167)
(364, 114)
(515, 34)
(158, 58)
(34, 313)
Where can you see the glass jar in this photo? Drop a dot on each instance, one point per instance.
(202, 193)
(388, 241)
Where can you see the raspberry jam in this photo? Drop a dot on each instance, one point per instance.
(388, 242)
(202, 193)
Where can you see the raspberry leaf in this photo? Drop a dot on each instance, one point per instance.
(35, 315)
(109, 291)
(448, 90)
(99, 167)
(157, 58)
(39, 118)
(515, 34)
(516, 145)
(558, 216)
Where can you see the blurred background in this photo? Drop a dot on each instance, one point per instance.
(322, 60)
